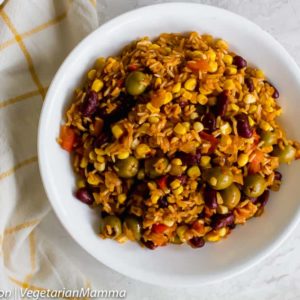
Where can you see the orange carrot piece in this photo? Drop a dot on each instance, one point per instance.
(67, 136)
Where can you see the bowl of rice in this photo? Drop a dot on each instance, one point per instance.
(168, 149)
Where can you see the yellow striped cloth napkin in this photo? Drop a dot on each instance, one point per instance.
(35, 37)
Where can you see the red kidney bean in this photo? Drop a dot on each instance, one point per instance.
(149, 244)
(219, 221)
(210, 197)
(189, 159)
(163, 202)
(84, 195)
(222, 104)
(243, 127)
(249, 84)
(90, 104)
(239, 62)
(209, 122)
(264, 198)
(278, 176)
(197, 242)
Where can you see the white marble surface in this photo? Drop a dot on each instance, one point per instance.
(277, 277)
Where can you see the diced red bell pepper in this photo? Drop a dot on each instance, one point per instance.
(210, 138)
(162, 182)
(159, 228)
(68, 137)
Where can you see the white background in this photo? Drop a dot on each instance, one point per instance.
(278, 277)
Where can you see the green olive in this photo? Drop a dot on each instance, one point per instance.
(111, 227)
(219, 178)
(127, 168)
(231, 196)
(136, 83)
(285, 155)
(132, 228)
(254, 185)
(269, 138)
(153, 171)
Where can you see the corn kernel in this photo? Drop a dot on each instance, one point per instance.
(193, 185)
(198, 126)
(212, 55)
(153, 119)
(154, 46)
(202, 99)
(178, 191)
(176, 162)
(154, 199)
(193, 172)
(252, 109)
(222, 209)
(212, 237)
(234, 107)
(213, 181)
(100, 159)
(219, 198)
(242, 159)
(180, 129)
(151, 108)
(205, 161)
(100, 63)
(232, 70)
(97, 85)
(204, 91)
(168, 97)
(249, 99)
(158, 82)
(117, 131)
(212, 67)
(99, 151)
(222, 232)
(251, 121)
(122, 198)
(226, 128)
(229, 84)
(142, 150)
(265, 125)
(80, 183)
(181, 230)
(92, 155)
(168, 222)
(221, 44)
(197, 54)
(190, 84)
(93, 179)
(260, 74)
(176, 88)
(84, 162)
(123, 155)
(175, 184)
(187, 125)
(99, 166)
(228, 59)
(91, 74)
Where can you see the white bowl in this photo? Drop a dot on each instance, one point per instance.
(173, 265)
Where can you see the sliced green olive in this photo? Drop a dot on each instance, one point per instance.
(111, 227)
(127, 168)
(132, 228)
(285, 155)
(269, 138)
(219, 178)
(231, 196)
(254, 185)
(136, 83)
